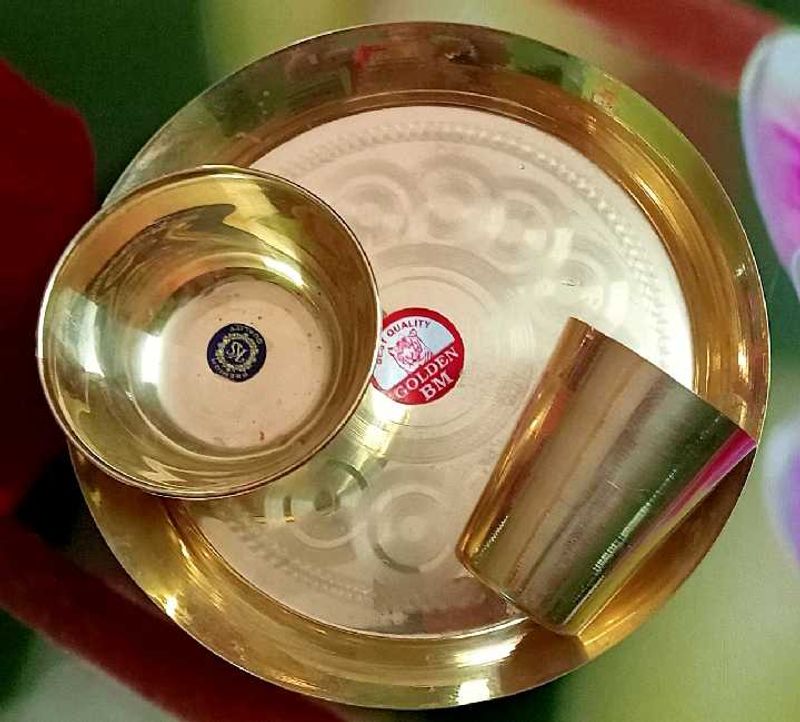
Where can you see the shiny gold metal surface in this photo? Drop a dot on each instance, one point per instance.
(446, 653)
(209, 332)
(608, 457)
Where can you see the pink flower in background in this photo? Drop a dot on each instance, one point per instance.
(793, 508)
(770, 115)
(782, 475)
(770, 112)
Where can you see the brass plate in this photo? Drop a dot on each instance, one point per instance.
(444, 660)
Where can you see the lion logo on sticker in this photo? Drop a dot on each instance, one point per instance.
(409, 351)
(427, 355)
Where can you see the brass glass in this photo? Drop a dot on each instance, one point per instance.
(342, 73)
(133, 302)
(609, 455)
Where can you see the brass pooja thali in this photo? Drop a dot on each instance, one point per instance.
(498, 186)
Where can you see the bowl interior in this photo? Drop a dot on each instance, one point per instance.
(209, 332)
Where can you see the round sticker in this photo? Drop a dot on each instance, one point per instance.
(237, 352)
(420, 357)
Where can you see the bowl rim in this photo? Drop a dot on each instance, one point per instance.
(108, 210)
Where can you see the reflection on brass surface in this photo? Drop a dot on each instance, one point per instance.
(607, 458)
(169, 559)
(346, 72)
(209, 332)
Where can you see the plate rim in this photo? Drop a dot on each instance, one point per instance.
(626, 113)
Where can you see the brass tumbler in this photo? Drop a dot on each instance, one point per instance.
(608, 456)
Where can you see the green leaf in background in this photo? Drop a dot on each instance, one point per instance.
(789, 10)
(125, 65)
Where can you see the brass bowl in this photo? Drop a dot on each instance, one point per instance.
(208, 333)
(349, 74)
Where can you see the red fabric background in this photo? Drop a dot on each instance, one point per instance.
(46, 194)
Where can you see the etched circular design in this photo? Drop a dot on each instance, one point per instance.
(458, 203)
(266, 548)
(375, 558)
(465, 161)
(584, 277)
(534, 224)
(406, 531)
(236, 352)
(322, 511)
(379, 199)
(304, 161)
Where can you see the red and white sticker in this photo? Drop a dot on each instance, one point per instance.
(420, 358)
